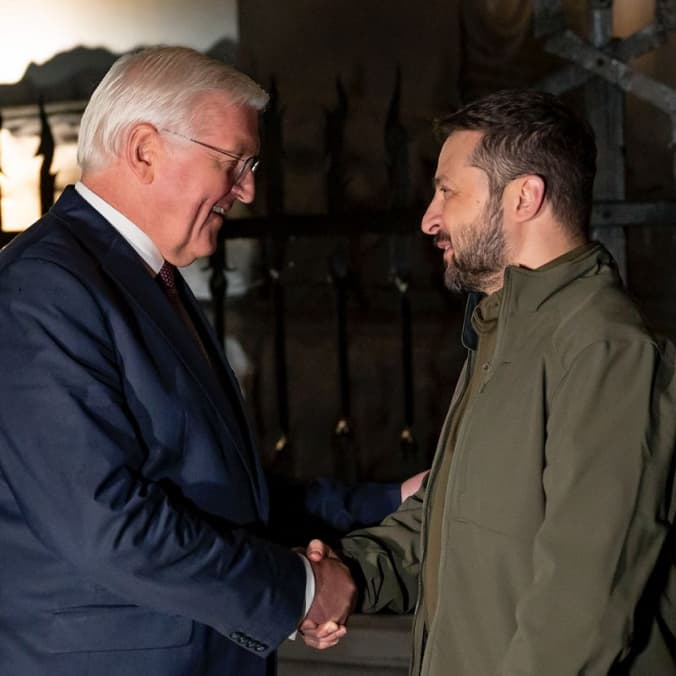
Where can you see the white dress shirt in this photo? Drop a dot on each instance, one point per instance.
(138, 239)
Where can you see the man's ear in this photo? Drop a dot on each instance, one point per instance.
(525, 197)
(142, 151)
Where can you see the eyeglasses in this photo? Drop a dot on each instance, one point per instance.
(249, 164)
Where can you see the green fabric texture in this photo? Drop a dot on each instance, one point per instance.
(556, 538)
(485, 322)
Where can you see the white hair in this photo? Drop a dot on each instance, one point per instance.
(160, 86)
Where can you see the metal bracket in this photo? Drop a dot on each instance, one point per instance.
(602, 63)
(608, 61)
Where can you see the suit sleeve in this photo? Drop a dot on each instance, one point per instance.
(608, 468)
(326, 508)
(74, 459)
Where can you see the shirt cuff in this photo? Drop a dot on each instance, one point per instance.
(309, 590)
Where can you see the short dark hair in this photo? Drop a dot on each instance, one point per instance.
(531, 132)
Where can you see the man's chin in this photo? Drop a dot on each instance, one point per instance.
(462, 281)
(206, 245)
(209, 248)
(452, 280)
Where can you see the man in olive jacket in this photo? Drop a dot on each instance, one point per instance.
(543, 542)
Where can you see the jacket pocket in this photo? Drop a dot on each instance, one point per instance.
(96, 628)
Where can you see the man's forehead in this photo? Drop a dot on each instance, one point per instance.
(456, 154)
(211, 107)
(231, 123)
(459, 146)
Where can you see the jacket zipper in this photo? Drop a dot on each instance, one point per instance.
(467, 369)
(452, 479)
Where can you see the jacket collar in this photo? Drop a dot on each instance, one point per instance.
(526, 290)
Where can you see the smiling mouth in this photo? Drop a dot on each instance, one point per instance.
(218, 210)
(444, 243)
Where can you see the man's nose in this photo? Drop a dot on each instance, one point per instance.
(431, 220)
(245, 189)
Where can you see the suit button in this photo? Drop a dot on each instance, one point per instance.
(260, 647)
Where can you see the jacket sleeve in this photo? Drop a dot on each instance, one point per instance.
(385, 559)
(349, 506)
(73, 458)
(326, 508)
(607, 478)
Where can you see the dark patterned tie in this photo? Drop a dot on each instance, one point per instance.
(167, 279)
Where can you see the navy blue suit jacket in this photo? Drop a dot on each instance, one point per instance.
(131, 497)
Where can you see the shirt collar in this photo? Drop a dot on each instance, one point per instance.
(136, 238)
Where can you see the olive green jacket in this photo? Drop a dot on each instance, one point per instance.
(557, 535)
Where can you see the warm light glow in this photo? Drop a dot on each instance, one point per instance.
(20, 193)
(20, 180)
(35, 30)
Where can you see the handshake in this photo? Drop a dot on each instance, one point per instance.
(335, 589)
(334, 600)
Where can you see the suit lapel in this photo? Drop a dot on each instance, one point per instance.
(221, 370)
(128, 272)
(215, 351)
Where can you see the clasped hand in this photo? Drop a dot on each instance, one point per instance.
(335, 597)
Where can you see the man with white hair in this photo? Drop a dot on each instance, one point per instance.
(132, 501)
